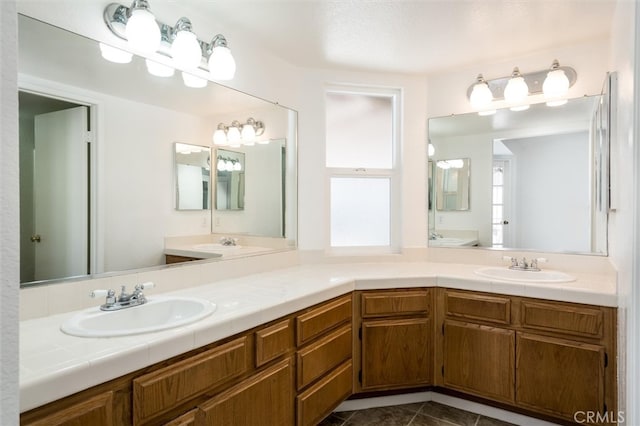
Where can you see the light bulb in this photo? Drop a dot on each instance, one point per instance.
(219, 137)
(186, 51)
(481, 95)
(517, 89)
(158, 69)
(113, 54)
(556, 85)
(458, 163)
(228, 165)
(233, 135)
(431, 149)
(248, 133)
(142, 31)
(443, 164)
(222, 66)
(191, 80)
(220, 166)
(237, 166)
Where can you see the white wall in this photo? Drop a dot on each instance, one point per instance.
(9, 219)
(539, 223)
(624, 232)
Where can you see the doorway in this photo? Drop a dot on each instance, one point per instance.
(55, 226)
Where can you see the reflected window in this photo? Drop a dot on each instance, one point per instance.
(361, 153)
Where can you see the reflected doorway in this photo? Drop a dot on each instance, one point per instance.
(54, 137)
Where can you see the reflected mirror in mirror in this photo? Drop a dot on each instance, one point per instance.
(193, 176)
(126, 187)
(230, 173)
(452, 182)
(537, 178)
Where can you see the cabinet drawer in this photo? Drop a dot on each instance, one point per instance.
(478, 307)
(97, 411)
(161, 390)
(569, 319)
(323, 355)
(321, 319)
(321, 398)
(387, 303)
(273, 341)
(187, 419)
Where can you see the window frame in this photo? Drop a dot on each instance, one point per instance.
(393, 174)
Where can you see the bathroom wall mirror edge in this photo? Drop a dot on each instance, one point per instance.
(540, 178)
(131, 138)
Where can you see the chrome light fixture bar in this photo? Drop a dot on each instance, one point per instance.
(138, 26)
(515, 89)
(237, 133)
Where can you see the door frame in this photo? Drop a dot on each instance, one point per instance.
(56, 90)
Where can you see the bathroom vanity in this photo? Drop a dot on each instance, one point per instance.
(322, 333)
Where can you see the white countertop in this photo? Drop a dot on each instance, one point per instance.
(54, 365)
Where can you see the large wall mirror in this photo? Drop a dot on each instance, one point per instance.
(539, 178)
(103, 184)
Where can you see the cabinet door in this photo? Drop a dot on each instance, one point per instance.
(559, 377)
(97, 411)
(395, 353)
(479, 359)
(266, 398)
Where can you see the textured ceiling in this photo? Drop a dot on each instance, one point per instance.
(409, 36)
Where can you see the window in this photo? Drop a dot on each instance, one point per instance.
(362, 167)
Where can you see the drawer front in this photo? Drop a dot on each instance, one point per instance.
(158, 392)
(478, 307)
(188, 419)
(321, 356)
(97, 411)
(320, 399)
(569, 319)
(317, 321)
(378, 304)
(273, 341)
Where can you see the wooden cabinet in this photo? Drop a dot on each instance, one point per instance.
(265, 398)
(96, 410)
(479, 359)
(558, 376)
(324, 359)
(396, 339)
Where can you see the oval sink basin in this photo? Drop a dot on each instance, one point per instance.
(157, 314)
(525, 276)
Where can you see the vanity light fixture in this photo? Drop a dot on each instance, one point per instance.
(226, 164)
(517, 90)
(139, 27)
(237, 133)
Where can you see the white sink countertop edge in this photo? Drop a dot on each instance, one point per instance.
(54, 365)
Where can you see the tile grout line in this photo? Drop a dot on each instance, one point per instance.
(477, 420)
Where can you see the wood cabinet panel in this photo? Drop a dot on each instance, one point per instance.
(388, 303)
(187, 419)
(480, 359)
(319, 320)
(273, 341)
(161, 390)
(321, 398)
(478, 307)
(558, 376)
(321, 356)
(562, 318)
(95, 411)
(395, 353)
(172, 258)
(266, 398)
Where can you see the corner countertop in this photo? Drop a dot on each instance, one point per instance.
(54, 365)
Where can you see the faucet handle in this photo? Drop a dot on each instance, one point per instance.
(143, 286)
(513, 260)
(102, 293)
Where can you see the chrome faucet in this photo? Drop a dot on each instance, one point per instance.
(124, 300)
(523, 265)
(434, 235)
(228, 241)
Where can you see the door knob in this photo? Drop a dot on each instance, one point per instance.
(35, 238)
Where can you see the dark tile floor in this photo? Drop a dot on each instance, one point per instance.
(418, 414)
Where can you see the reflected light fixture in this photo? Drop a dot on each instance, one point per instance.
(237, 133)
(139, 27)
(457, 163)
(113, 54)
(431, 150)
(193, 81)
(227, 164)
(158, 69)
(517, 91)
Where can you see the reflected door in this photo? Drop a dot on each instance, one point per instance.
(501, 204)
(61, 194)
